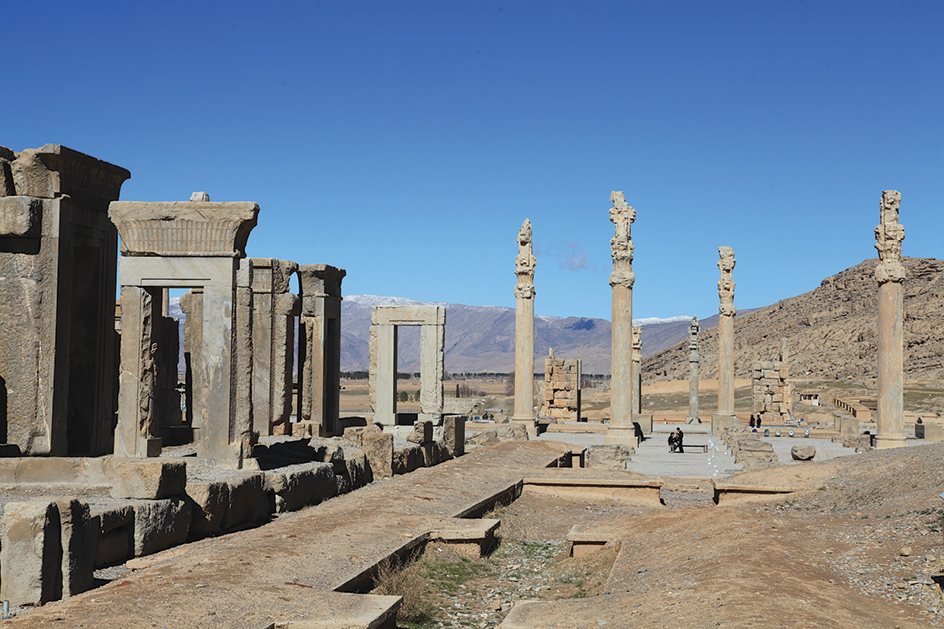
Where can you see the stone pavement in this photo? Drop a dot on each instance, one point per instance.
(653, 457)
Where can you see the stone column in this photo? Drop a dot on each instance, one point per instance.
(191, 304)
(243, 435)
(432, 353)
(320, 348)
(637, 370)
(383, 373)
(621, 429)
(725, 415)
(693, 372)
(136, 434)
(890, 430)
(524, 328)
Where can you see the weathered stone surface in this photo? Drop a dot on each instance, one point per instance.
(435, 452)
(407, 459)
(30, 553)
(7, 185)
(610, 457)
(454, 434)
(482, 439)
(20, 216)
(378, 448)
(621, 280)
(561, 388)
(160, 524)
(929, 432)
(210, 501)
(183, 228)
(354, 435)
(422, 432)
(78, 546)
(146, 479)
(524, 326)
(803, 453)
(247, 501)
(113, 547)
(512, 432)
(358, 470)
(296, 487)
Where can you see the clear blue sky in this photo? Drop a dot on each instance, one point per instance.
(406, 141)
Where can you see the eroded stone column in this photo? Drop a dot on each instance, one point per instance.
(136, 434)
(693, 372)
(383, 373)
(725, 415)
(432, 352)
(637, 370)
(621, 428)
(890, 428)
(320, 348)
(524, 328)
(191, 304)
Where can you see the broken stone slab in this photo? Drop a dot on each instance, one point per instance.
(30, 553)
(160, 524)
(407, 459)
(378, 447)
(146, 479)
(513, 431)
(453, 428)
(295, 488)
(610, 457)
(422, 432)
(354, 435)
(803, 453)
(481, 439)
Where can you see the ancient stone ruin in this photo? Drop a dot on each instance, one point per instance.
(890, 426)
(561, 388)
(771, 389)
(621, 429)
(725, 415)
(58, 252)
(693, 417)
(383, 359)
(524, 328)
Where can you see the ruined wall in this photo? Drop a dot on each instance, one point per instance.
(562, 389)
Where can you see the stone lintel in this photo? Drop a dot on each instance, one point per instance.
(408, 315)
(183, 228)
(54, 171)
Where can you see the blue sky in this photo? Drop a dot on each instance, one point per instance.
(407, 141)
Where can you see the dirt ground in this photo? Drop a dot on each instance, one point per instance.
(864, 550)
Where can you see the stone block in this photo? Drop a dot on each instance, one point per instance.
(435, 452)
(20, 216)
(113, 548)
(30, 553)
(78, 546)
(513, 431)
(325, 483)
(608, 457)
(246, 501)
(422, 432)
(160, 524)
(112, 517)
(378, 448)
(296, 488)
(407, 459)
(209, 503)
(929, 432)
(454, 434)
(803, 453)
(357, 468)
(848, 426)
(146, 479)
(482, 439)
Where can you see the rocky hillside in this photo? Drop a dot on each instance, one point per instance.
(830, 331)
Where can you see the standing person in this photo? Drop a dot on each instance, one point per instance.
(758, 423)
(671, 442)
(679, 435)
(752, 421)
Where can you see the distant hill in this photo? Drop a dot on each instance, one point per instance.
(830, 331)
(482, 338)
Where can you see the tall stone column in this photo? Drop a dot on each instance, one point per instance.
(136, 434)
(890, 428)
(621, 428)
(524, 328)
(693, 372)
(725, 415)
(637, 370)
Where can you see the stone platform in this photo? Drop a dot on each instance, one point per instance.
(305, 568)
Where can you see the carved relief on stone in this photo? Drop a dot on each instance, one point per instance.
(525, 262)
(888, 235)
(726, 284)
(621, 245)
(637, 343)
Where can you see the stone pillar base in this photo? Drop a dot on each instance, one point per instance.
(720, 421)
(530, 423)
(621, 435)
(890, 441)
(644, 421)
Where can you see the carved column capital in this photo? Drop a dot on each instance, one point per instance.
(888, 236)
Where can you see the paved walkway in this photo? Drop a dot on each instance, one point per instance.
(653, 456)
